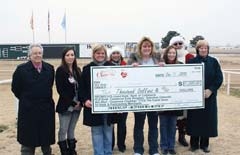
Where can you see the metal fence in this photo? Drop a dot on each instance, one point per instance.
(229, 79)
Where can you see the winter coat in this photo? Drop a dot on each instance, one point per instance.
(65, 89)
(203, 122)
(90, 119)
(36, 114)
(123, 63)
(135, 57)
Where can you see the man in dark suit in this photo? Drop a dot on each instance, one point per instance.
(32, 84)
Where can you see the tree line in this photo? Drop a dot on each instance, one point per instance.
(165, 40)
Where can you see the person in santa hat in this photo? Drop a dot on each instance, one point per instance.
(116, 58)
(178, 42)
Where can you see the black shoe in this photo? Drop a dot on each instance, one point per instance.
(122, 150)
(172, 151)
(193, 149)
(164, 151)
(205, 149)
(63, 147)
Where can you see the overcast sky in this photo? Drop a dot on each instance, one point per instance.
(120, 20)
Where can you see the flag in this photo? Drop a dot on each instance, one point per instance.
(48, 20)
(31, 21)
(64, 21)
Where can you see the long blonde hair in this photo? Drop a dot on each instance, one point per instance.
(139, 46)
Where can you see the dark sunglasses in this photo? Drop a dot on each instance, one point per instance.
(179, 43)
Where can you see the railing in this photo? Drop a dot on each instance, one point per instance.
(227, 78)
(5, 81)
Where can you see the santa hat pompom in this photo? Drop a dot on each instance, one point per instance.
(115, 49)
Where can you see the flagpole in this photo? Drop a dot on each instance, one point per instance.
(65, 27)
(49, 38)
(66, 35)
(33, 34)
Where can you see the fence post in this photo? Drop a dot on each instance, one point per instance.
(228, 83)
(224, 78)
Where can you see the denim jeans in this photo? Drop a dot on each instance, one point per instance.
(67, 121)
(102, 138)
(152, 132)
(25, 150)
(167, 131)
(121, 132)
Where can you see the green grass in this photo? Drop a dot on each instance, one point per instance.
(3, 127)
(233, 91)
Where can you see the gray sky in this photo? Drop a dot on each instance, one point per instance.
(120, 20)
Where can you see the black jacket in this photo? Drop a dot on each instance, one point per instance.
(203, 122)
(90, 119)
(36, 114)
(65, 89)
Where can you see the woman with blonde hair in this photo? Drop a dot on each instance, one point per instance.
(145, 55)
(101, 124)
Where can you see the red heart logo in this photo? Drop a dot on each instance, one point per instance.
(123, 74)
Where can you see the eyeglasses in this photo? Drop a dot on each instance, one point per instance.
(178, 43)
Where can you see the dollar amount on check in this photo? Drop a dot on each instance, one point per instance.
(147, 88)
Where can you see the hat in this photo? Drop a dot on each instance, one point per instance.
(177, 39)
(115, 49)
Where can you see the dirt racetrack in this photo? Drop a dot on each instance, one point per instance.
(227, 143)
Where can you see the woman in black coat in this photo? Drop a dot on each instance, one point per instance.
(32, 85)
(202, 123)
(68, 106)
(101, 124)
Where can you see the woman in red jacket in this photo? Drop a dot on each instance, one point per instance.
(116, 58)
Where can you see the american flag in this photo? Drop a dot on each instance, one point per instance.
(64, 21)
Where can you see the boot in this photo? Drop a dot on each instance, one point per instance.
(181, 124)
(72, 146)
(182, 140)
(63, 147)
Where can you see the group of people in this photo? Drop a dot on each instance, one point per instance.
(33, 81)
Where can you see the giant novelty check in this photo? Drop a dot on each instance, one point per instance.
(147, 88)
